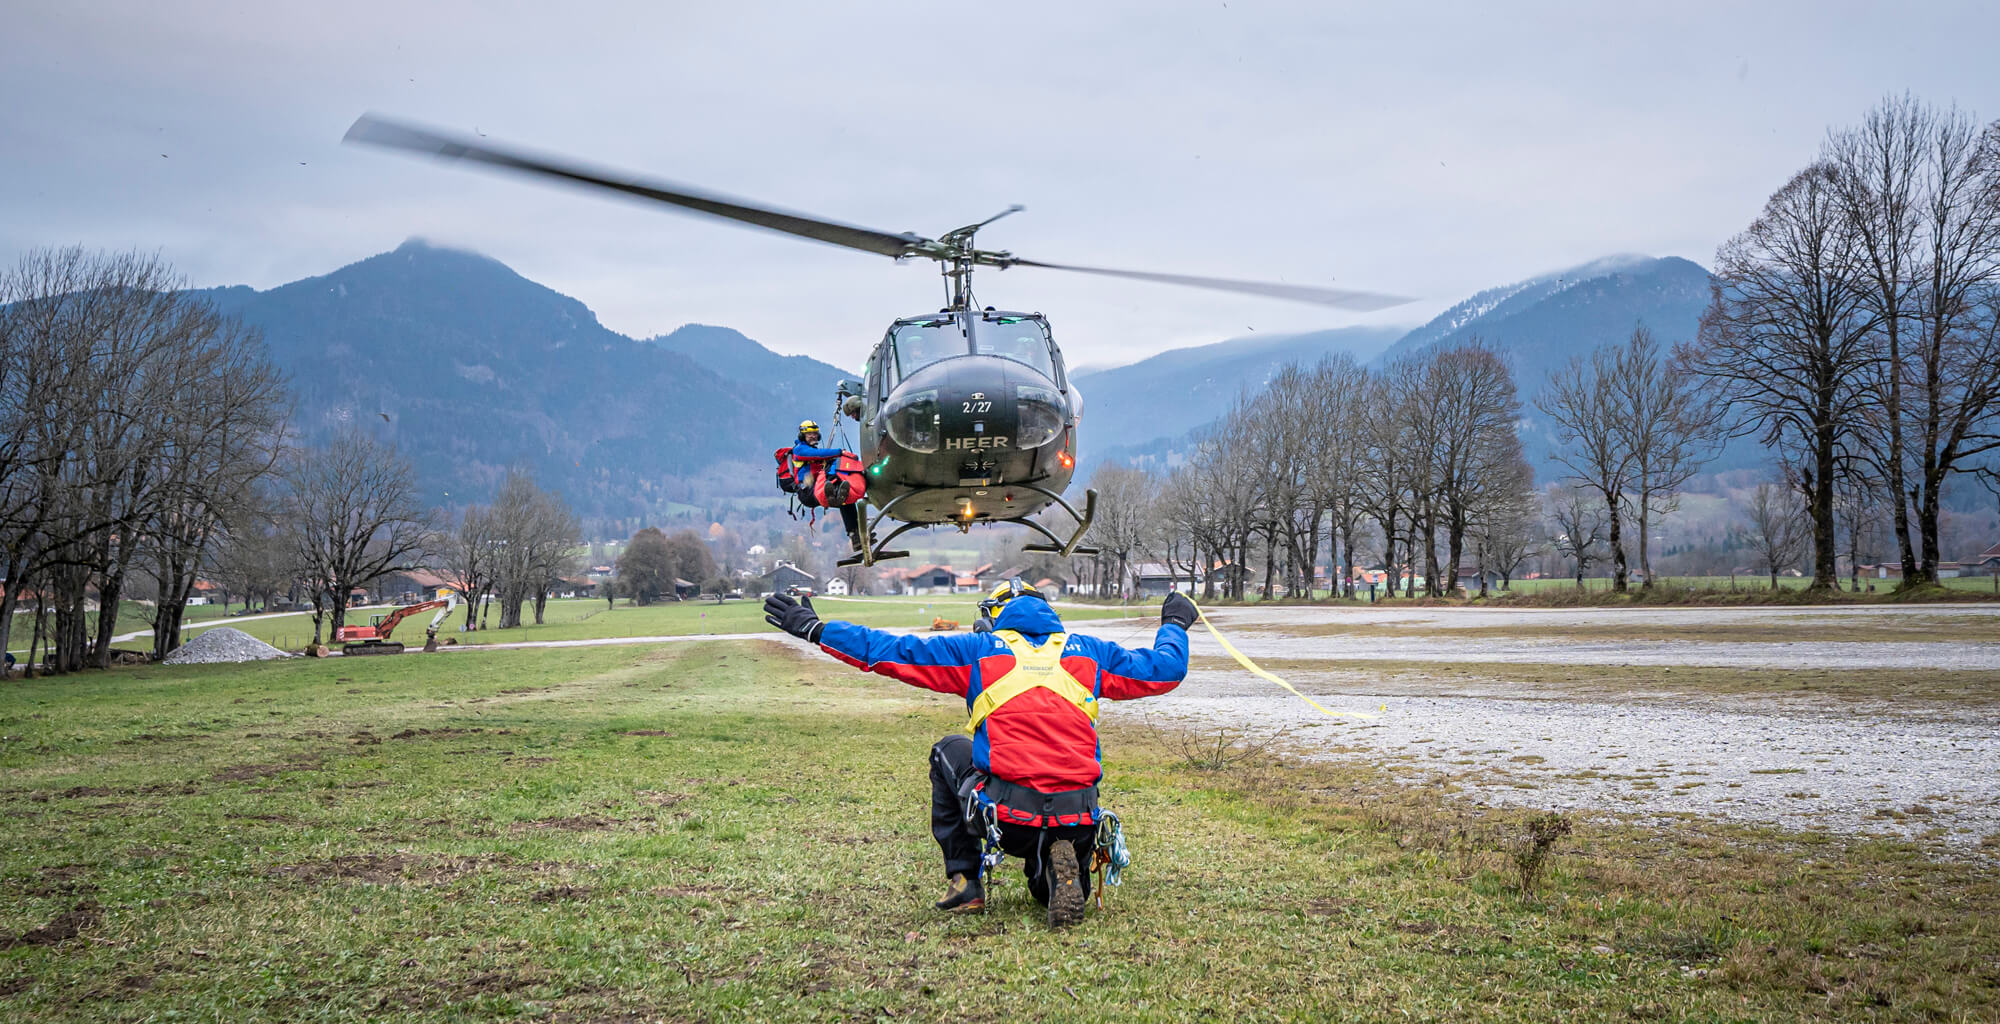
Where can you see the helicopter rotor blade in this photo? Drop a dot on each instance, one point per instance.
(378, 131)
(1339, 298)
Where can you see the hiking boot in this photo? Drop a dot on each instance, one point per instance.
(965, 896)
(1065, 885)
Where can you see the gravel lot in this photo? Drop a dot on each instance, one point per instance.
(1926, 770)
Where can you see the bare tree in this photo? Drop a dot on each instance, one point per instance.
(1578, 517)
(1342, 390)
(1785, 340)
(133, 416)
(534, 533)
(1921, 188)
(1878, 166)
(1670, 428)
(1389, 463)
(1124, 503)
(1779, 532)
(254, 560)
(1595, 446)
(1507, 522)
(216, 449)
(1859, 504)
(469, 558)
(352, 515)
(1476, 453)
(1955, 372)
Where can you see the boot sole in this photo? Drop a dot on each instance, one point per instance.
(1065, 886)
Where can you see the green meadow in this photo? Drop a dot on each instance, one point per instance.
(738, 831)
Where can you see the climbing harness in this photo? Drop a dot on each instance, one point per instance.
(1112, 857)
(1252, 668)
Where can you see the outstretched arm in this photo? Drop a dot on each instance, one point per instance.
(1124, 674)
(805, 451)
(943, 663)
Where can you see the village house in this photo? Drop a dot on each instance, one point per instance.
(787, 576)
(1985, 563)
(1157, 579)
(929, 579)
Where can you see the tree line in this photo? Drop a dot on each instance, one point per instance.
(1853, 329)
(1855, 325)
(1419, 464)
(144, 445)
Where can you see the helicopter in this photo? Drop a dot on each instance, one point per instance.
(967, 415)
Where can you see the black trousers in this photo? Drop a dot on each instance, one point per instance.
(951, 767)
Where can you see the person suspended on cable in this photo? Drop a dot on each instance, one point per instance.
(824, 477)
(1024, 771)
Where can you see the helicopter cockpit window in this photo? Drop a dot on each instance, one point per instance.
(1021, 339)
(920, 344)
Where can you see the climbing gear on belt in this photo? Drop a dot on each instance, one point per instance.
(1251, 666)
(1033, 667)
(1112, 857)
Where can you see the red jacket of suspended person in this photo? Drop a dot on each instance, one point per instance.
(1038, 739)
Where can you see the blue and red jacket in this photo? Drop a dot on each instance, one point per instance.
(802, 471)
(1038, 739)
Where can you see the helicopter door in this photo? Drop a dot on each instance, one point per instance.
(871, 386)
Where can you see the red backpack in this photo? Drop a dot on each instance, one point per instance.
(845, 485)
(788, 477)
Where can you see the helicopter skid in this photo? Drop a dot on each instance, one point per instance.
(1056, 544)
(878, 551)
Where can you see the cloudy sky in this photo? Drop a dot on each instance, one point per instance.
(1425, 149)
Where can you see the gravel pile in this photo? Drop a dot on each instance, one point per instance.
(222, 645)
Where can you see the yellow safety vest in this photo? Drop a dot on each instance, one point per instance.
(1033, 667)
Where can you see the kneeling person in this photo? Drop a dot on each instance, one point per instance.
(1030, 745)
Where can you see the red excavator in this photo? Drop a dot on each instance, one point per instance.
(374, 637)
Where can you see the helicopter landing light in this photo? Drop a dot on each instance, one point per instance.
(981, 494)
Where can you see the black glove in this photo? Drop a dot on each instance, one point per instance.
(1177, 610)
(794, 617)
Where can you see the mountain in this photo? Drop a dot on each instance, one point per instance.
(800, 383)
(470, 369)
(1538, 324)
(1541, 323)
(1122, 407)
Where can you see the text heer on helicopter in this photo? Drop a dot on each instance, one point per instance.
(967, 414)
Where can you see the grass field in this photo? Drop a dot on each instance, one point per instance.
(586, 619)
(736, 831)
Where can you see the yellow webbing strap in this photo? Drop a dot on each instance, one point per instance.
(1251, 666)
(1033, 666)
